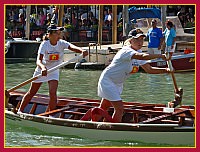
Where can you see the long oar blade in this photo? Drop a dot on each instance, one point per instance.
(40, 75)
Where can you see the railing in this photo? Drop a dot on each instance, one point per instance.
(80, 35)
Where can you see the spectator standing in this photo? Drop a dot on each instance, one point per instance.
(181, 16)
(155, 38)
(42, 18)
(48, 19)
(190, 14)
(54, 19)
(105, 15)
(74, 20)
(110, 15)
(170, 38)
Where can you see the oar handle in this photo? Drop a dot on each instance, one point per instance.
(22, 84)
(169, 63)
(40, 75)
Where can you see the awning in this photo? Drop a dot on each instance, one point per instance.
(136, 13)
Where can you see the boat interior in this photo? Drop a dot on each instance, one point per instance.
(134, 112)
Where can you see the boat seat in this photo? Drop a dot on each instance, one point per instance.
(81, 106)
(73, 112)
(54, 111)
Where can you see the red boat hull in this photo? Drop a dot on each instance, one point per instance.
(183, 62)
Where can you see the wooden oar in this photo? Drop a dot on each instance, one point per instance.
(178, 91)
(38, 76)
(169, 63)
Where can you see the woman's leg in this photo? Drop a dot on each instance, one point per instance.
(118, 108)
(29, 95)
(118, 112)
(105, 104)
(53, 85)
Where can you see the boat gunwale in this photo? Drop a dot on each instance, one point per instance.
(100, 125)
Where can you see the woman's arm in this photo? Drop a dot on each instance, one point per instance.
(173, 42)
(77, 50)
(145, 56)
(154, 70)
(41, 65)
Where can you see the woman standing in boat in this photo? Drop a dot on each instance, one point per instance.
(125, 62)
(50, 54)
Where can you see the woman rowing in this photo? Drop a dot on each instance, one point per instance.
(125, 63)
(50, 54)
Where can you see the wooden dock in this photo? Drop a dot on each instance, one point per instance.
(101, 56)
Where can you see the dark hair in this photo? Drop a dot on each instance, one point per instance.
(169, 23)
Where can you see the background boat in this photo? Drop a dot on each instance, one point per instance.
(19, 49)
(181, 62)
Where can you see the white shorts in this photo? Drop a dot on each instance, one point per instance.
(154, 51)
(109, 90)
(51, 76)
(168, 48)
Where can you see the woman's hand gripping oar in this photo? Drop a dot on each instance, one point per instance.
(178, 91)
(7, 95)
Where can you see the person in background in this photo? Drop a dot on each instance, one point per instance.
(42, 18)
(170, 38)
(125, 63)
(74, 20)
(155, 38)
(105, 15)
(48, 19)
(50, 54)
(54, 19)
(190, 14)
(181, 16)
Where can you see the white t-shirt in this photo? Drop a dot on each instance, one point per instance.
(111, 81)
(52, 56)
(122, 64)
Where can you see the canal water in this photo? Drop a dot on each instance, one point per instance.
(140, 87)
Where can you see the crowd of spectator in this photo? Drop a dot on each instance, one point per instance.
(187, 18)
(42, 17)
(73, 19)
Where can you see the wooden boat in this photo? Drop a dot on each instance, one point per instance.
(181, 62)
(143, 122)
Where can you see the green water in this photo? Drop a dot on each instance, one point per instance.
(141, 87)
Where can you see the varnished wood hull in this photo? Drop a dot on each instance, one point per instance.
(162, 132)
